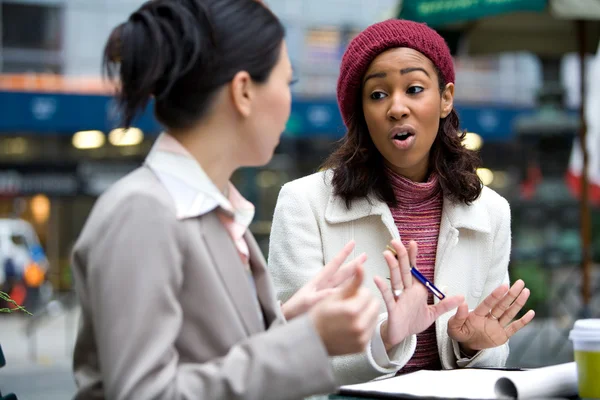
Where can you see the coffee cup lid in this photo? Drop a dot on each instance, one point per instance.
(586, 330)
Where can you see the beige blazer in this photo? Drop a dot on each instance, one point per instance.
(168, 311)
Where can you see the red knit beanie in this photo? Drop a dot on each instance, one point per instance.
(378, 38)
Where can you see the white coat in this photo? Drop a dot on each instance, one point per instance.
(311, 225)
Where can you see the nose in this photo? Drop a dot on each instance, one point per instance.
(398, 108)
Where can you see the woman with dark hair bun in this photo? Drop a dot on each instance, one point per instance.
(402, 174)
(176, 301)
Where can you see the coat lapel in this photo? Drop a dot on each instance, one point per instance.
(337, 212)
(230, 268)
(262, 280)
(457, 216)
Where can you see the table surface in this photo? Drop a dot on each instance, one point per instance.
(339, 397)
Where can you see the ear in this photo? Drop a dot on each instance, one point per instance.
(241, 91)
(447, 103)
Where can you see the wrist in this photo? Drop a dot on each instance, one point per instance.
(383, 331)
(466, 350)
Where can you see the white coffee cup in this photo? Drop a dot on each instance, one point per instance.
(586, 344)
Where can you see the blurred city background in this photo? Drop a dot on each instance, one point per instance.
(518, 93)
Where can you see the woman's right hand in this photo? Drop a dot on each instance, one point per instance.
(345, 321)
(409, 313)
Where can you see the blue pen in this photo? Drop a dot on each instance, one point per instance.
(415, 272)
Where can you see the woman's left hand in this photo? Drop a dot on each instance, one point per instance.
(491, 323)
(324, 284)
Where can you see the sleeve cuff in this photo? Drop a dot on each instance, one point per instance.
(397, 357)
(462, 360)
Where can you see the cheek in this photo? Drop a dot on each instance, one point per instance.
(277, 105)
(430, 112)
(375, 118)
(285, 102)
(431, 119)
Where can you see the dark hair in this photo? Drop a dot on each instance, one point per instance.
(180, 52)
(358, 167)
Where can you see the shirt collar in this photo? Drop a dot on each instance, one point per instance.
(192, 190)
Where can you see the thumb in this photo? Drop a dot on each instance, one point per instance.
(458, 320)
(449, 303)
(351, 287)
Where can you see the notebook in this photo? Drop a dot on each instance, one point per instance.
(555, 381)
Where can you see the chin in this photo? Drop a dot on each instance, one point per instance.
(259, 160)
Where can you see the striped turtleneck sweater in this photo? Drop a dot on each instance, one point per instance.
(417, 217)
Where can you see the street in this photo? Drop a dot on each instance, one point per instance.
(37, 382)
(38, 367)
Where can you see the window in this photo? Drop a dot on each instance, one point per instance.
(31, 38)
(31, 26)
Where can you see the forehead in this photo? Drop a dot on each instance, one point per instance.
(401, 57)
(284, 59)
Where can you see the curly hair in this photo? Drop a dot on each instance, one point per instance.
(358, 166)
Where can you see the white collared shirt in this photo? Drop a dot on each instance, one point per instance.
(195, 194)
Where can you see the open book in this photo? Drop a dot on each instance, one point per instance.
(556, 381)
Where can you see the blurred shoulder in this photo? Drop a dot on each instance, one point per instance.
(497, 206)
(139, 189)
(139, 198)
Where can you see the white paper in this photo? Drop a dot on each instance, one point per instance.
(555, 381)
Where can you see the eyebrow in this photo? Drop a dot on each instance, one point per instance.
(403, 71)
(408, 70)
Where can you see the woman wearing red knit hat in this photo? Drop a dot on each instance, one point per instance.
(402, 175)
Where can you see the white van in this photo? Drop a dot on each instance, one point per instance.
(20, 250)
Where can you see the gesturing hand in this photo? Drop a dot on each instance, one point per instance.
(491, 323)
(324, 283)
(408, 313)
(346, 320)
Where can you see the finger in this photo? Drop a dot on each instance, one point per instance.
(520, 323)
(321, 294)
(344, 273)
(449, 303)
(351, 287)
(413, 250)
(404, 263)
(335, 263)
(370, 312)
(369, 319)
(491, 301)
(458, 320)
(357, 304)
(392, 262)
(514, 309)
(388, 297)
(508, 299)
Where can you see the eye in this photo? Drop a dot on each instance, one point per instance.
(415, 90)
(377, 95)
(293, 81)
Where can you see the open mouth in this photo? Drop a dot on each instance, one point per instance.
(402, 136)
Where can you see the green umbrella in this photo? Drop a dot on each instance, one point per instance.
(548, 28)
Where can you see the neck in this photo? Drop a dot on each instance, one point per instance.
(212, 153)
(418, 173)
